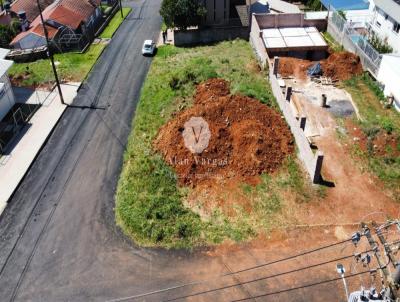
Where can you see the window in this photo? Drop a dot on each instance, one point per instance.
(215, 11)
(396, 27)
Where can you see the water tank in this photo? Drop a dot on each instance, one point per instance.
(22, 15)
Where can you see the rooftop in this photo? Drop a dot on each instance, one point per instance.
(275, 6)
(391, 7)
(347, 5)
(293, 38)
(29, 7)
(4, 52)
(5, 66)
(70, 13)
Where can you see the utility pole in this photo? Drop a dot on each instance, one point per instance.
(388, 280)
(50, 53)
(120, 6)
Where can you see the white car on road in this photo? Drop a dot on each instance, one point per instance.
(149, 48)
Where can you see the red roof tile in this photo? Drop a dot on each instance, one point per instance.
(29, 7)
(70, 13)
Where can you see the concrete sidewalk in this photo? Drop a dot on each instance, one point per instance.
(14, 165)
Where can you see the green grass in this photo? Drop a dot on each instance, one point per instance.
(376, 119)
(149, 205)
(72, 67)
(335, 46)
(114, 24)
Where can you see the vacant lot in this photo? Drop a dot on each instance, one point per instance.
(377, 134)
(151, 208)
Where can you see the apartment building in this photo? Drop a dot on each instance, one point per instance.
(386, 21)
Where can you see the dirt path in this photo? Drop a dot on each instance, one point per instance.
(355, 193)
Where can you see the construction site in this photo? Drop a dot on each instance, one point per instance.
(249, 145)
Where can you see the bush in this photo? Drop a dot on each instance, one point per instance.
(381, 46)
(387, 125)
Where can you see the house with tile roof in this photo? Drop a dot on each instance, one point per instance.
(29, 7)
(75, 18)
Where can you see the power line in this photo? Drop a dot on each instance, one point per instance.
(50, 53)
(264, 278)
(303, 286)
(231, 273)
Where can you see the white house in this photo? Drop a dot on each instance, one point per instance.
(7, 99)
(389, 76)
(357, 12)
(386, 21)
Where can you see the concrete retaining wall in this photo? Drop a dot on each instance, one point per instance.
(288, 20)
(257, 44)
(209, 35)
(312, 162)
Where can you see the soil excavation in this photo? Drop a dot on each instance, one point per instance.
(338, 66)
(247, 137)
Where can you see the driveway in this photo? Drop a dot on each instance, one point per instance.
(58, 237)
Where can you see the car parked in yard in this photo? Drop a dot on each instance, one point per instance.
(149, 48)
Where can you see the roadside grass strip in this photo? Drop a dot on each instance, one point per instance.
(115, 23)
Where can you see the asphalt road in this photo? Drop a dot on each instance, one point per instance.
(58, 239)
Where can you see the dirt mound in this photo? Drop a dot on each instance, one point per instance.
(342, 65)
(247, 138)
(339, 66)
(294, 67)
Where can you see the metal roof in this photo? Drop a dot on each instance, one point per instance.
(390, 7)
(293, 38)
(4, 52)
(5, 66)
(346, 5)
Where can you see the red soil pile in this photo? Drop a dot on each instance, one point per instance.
(338, 66)
(342, 65)
(294, 67)
(247, 137)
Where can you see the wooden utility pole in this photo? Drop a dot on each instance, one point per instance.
(50, 53)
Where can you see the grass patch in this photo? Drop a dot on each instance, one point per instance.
(149, 206)
(115, 23)
(376, 119)
(72, 67)
(335, 46)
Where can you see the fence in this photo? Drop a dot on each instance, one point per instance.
(209, 35)
(353, 42)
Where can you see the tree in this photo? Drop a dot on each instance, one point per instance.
(182, 13)
(8, 32)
